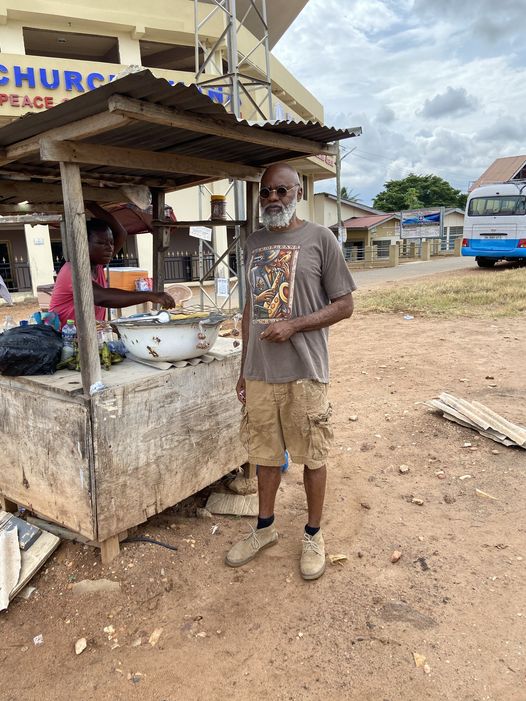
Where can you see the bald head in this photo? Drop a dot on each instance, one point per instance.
(281, 170)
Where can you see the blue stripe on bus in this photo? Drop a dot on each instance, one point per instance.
(493, 248)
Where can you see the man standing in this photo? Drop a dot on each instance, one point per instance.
(298, 285)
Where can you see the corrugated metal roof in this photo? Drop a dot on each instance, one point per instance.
(143, 85)
(500, 171)
(146, 136)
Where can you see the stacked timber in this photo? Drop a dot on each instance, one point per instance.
(480, 418)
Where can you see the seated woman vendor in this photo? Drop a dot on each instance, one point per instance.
(105, 237)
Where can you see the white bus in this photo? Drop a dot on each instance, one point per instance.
(495, 224)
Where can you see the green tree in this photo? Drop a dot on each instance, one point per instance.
(417, 191)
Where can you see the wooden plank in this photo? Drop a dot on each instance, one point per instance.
(81, 129)
(77, 239)
(159, 440)
(170, 117)
(40, 193)
(137, 159)
(45, 443)
(33, 559)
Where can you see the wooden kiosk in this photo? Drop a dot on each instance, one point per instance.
(102, 453)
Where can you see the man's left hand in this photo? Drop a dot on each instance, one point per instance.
(279, 332)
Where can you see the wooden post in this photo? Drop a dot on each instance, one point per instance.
(77, 244)
(161, 239)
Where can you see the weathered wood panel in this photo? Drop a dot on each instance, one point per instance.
(45, 444)
(163, 438)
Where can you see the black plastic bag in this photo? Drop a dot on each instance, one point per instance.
(30, 350)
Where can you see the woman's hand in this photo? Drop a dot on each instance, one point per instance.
(163, 298)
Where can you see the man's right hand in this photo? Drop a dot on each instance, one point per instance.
(241, 390)
(163, 298)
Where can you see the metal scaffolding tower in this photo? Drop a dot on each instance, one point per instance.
(233, 76)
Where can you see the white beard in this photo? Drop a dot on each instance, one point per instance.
(278, 220)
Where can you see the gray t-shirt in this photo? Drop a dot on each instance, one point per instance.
(291, 274)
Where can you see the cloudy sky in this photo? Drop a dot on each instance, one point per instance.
(438, 86)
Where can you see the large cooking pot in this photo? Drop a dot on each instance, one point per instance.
(169, 337)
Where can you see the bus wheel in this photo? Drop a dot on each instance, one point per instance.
(486, 262)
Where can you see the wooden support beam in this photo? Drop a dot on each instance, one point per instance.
(167, 116)
(82, 129)
(161, 239)
(137, 159)
(49, 193)
(52, 212)
(77, 240)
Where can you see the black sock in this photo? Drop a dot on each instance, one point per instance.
(310, 530)
(265, 522)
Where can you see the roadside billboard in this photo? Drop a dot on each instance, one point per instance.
(422, 223)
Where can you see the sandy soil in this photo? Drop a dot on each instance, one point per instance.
(456, 596)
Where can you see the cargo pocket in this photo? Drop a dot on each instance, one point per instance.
(243, 427)
(321, 434)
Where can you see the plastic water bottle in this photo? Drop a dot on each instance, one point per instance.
(69, 338)
(9, 323)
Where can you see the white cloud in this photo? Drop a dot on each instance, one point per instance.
(435, 85)
(454, 101)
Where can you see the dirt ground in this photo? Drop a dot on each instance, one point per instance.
(457, 595)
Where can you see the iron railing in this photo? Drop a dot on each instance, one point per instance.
(16, 276)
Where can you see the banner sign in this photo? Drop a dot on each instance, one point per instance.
(421, 224)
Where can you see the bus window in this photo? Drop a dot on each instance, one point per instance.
(503, 205)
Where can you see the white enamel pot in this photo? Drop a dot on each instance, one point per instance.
(169, 342)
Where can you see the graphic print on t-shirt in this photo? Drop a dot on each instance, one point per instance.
(271, 275)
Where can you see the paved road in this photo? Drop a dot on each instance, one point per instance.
(366, 279)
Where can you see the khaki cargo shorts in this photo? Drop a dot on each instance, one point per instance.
(291, 416)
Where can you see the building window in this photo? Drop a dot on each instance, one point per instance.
(82, 47)
(456, 232)
(170, 56)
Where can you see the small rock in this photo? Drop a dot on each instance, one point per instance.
(403, 469)
(203, 513)
(110, 630)
(137, 642)
(440, 474)
(465, 477)
(466, 445)
(418, 502)
(495, 452)
(80, 645)
(396, 555)
(202, 634)
(242, 485)
(154, 637)
(427, 669)
(449, 499)
(419, 659)
(365, 505)
(360, 554)
(38, 639)
(300, 634)
(353, 418)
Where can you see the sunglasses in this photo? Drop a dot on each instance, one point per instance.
(280, 191)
